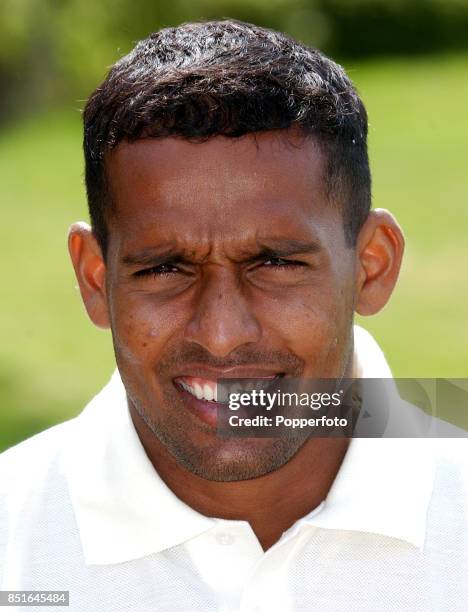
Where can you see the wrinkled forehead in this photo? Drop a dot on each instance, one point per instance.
(220, 190)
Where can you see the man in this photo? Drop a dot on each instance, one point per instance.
(231, 237)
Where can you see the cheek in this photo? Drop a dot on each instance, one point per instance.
(314, 323)
(304, 313)
(140, 329)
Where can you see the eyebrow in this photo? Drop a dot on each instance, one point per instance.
(152, 256)
(286, 247)
(271, 248)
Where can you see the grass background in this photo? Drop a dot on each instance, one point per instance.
(51, 358)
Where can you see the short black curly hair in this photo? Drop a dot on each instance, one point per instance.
(229, 78)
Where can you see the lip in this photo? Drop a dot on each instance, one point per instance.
(208, 411)
(202, 409)
(214, 374)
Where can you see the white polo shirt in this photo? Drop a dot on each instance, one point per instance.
(82, 509)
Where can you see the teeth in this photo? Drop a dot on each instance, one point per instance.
(208, 393)
(198, 391)
(205, 391)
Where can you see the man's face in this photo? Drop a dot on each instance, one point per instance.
(226, 259)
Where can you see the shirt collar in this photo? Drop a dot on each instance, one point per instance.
(122, 507)
(384, 485)
(125, 511)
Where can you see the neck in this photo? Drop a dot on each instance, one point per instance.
(271, 503)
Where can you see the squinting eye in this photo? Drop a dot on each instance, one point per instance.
(277, 262)
(161, 270)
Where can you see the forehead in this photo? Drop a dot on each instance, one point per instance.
(223, 188)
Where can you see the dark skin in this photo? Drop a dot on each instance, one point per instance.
(227, 259)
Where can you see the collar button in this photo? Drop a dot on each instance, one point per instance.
(225, 539)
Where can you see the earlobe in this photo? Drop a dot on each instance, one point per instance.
(379, 253)
(90, 271)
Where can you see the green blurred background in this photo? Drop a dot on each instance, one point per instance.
(409, 60)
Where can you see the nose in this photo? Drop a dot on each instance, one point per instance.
(223, 318)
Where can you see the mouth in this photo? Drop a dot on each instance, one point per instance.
(204, 397)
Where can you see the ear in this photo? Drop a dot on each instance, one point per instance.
(379, 253)
(90, 271)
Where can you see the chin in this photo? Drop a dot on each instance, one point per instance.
(237, 459)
